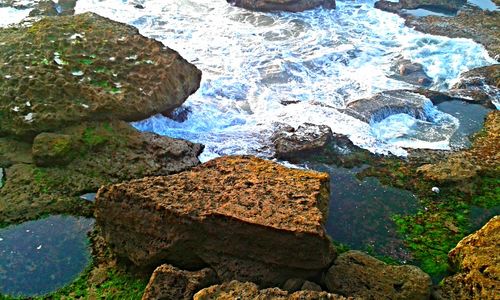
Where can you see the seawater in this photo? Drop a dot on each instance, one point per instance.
(254, 63)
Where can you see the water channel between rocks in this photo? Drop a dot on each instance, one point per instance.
(38, 257)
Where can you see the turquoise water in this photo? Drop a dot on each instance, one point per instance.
(38, 257)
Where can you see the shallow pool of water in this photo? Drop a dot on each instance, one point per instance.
(360, 212)
(484, 4)
(38, 257)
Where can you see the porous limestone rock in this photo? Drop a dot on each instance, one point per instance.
(169, 283)
(65, 70)
(248, 290)
(282, 5)
(477, 260)
(357, 274)
(247, 218)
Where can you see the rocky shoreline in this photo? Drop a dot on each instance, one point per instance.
(237, 226)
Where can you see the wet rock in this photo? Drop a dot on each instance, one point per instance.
(358, 274)
(481, 158)
(411, 72)
(44, 8)
(249, 290)
(388, 103)
(307, 139)
(477, 260)
(247, 218)
(51, 149)
(105, 153)
(169, 282)
(476, 24)
(282, 5)
(87, 68)
(482, 84)
(452, 5)
(179, 114)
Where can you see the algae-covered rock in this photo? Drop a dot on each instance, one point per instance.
(65, 70)
(248, 290)
(282, 5)
(477, 260)
(169, 283)
(358, 274)
(51, 149)
(247, 218)
(100, 153)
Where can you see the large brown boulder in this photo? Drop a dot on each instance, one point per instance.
(477, 259)
(282, 5)
(65, 70)
(249, 219)
(169, 283)
(358, 274)
(248, 290)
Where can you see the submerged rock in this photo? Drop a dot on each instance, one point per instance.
(249, 290)
(283, 5)
(247, 218)
(65, 70)
(99, 154)
(411, 72)
(358, 274)
(388, 103)
(169, 283)
(477, 260)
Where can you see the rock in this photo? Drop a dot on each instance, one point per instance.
(169, 282)
(51, 149)
(293, 284)
(311, 286)
(87, 67)
(282, 5)
(247, 218)
(1, 177)
(411, 72)
(103, 153)
(452, 5)
(476, 24)
(248, 290)
(13, 151)
(44, 8)
(388, 103)
(465, 165)
(179, 114)
(480, 83)
(358, 274)
(307, 139)
(477, 260)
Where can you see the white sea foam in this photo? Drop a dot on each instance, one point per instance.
(9, 15)
(253, 62)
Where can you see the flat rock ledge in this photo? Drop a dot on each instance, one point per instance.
(282, 5)
(477, 260)
(360, 275)
(247, 218)
(62, 71)
(248, 290)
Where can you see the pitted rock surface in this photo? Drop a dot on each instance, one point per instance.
(247, 218)
(477, 259)
(65, 70)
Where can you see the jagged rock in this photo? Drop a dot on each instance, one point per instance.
(51, 149)
(247, 218)
(86, 67)
(169, 283)
(388, 103)
(477, 260)
(248, 290)
(452, 5)
(462, 166)
(358, 274)
(282, 5)
(102, 153)
(411, 72)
